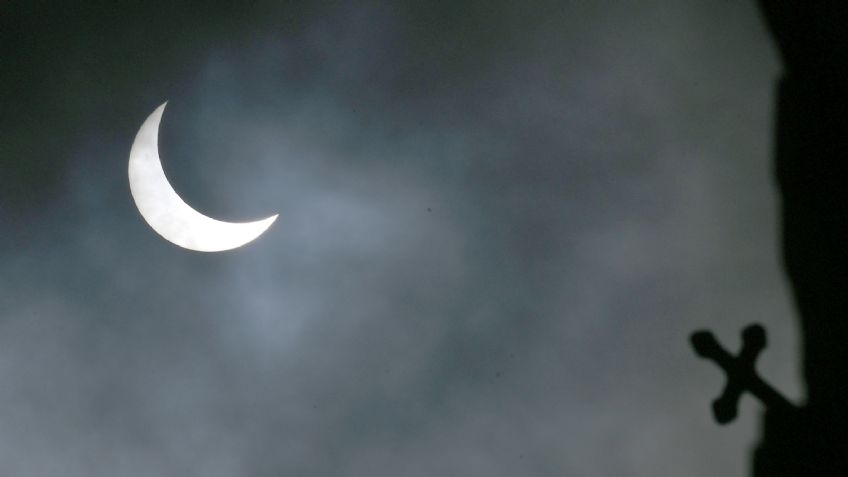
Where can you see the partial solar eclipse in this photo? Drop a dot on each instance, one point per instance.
(167, 213)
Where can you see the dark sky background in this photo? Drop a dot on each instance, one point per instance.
(499, 222)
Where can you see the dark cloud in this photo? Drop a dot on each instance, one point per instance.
(498, 224)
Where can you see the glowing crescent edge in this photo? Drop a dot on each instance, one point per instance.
(164, 210)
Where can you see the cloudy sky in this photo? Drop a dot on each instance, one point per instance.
(499, 222)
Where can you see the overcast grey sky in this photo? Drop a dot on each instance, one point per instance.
(499, 222)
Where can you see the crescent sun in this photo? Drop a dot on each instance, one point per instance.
(167, 213)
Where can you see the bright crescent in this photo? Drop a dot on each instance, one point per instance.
(167, 213)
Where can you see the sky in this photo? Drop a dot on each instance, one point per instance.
(498, 224)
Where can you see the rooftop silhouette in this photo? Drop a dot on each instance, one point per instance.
(811, 165)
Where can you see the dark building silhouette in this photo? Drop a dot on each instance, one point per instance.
(811, 164)
(812, 172)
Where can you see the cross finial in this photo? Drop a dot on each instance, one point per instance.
(740, 370)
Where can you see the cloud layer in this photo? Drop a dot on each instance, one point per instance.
(498, 225)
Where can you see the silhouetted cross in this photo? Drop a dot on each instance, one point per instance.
(741, 374)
